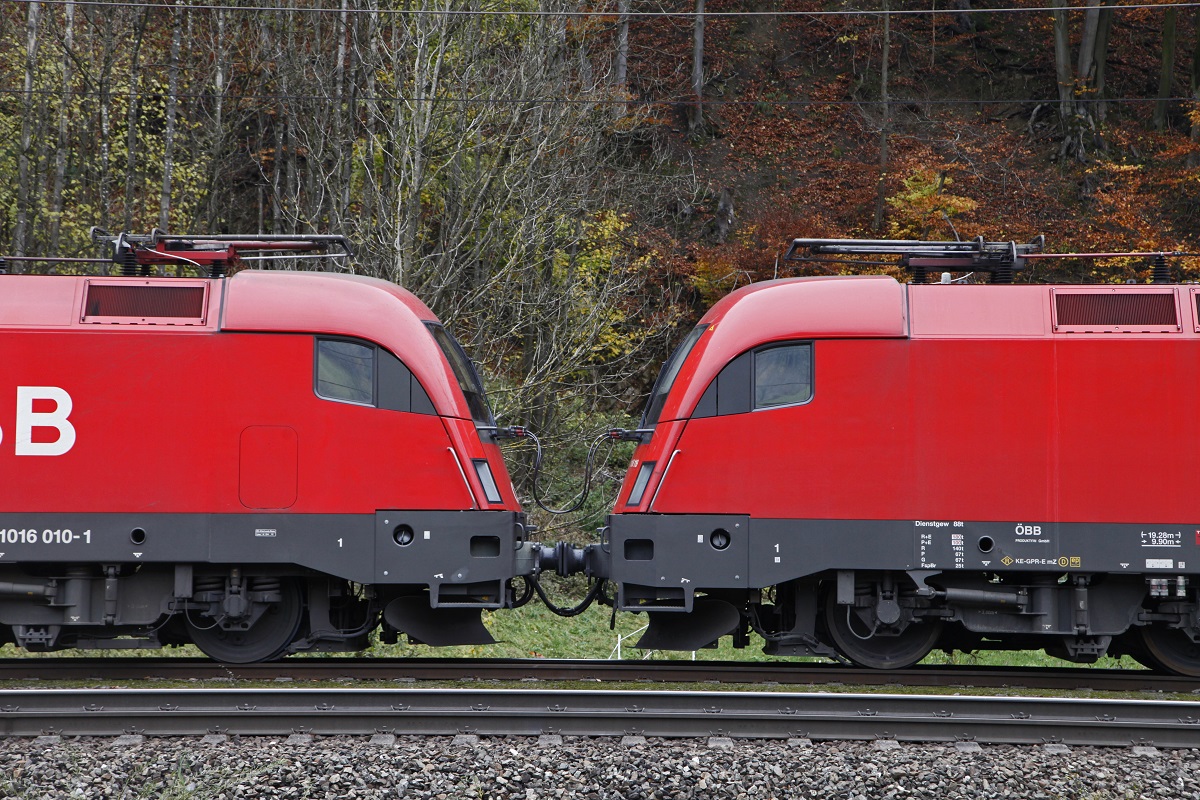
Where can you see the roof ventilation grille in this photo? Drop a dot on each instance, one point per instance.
(1096, 310)
(144, 303)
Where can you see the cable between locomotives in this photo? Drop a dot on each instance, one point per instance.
(563, 558)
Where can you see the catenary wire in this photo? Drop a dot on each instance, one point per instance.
(629, 14)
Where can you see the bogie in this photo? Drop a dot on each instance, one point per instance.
(877, 622)
(247, 621)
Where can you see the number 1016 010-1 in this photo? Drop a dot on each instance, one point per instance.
(44, 536)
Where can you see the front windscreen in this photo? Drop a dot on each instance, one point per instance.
(666, 378)
(464, 372)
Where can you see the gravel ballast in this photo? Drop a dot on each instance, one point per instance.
(448, 768)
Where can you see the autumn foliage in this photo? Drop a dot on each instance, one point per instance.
(974, 149)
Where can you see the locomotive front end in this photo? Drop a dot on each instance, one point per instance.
(700, 536)
(869, 470)
(314, 458)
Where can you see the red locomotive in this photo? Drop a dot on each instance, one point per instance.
(259, 464)
(853, 466)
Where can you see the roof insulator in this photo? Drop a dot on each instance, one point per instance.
(1161, 273)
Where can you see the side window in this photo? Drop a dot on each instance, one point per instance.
(361, 373)
(783, 376)
(775, 375)
(346, 371)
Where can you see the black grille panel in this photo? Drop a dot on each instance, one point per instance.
(1109, 309)
(145, 302)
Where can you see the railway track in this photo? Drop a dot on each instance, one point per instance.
(355, 711)
(734, 672)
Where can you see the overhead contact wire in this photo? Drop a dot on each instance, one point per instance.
(683, 15)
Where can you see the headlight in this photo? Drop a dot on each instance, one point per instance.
(490, 490)
(639, 486)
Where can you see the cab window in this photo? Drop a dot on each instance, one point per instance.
(346, 371)
(666, 377)
(465, 374)
(783, 376)
(769, 377)
(358, 372)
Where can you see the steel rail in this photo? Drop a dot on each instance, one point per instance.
(484, 669)
(923, 718)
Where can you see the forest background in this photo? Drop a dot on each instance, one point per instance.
(569, 185)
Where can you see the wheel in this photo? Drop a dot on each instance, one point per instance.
(1170, 650)
(1130, 644)
(262, 641)
(859, 636)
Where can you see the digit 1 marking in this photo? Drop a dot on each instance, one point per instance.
(339, 542)
(776, 548)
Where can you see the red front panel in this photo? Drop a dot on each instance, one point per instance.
(845, 454)
(471, 447)
(1029, 430)
(206, 423)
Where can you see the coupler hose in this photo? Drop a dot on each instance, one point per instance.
(521, 432)
(588, 599)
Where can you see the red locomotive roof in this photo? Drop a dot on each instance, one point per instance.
(878, 307)
(345, 305)
(328, 302)
(852, 307)
(254, 300)
(1022, 312)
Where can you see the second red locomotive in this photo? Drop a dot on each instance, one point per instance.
(853, 466)
(259, 464)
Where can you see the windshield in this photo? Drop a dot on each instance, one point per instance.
(666, 378)
(464, 372)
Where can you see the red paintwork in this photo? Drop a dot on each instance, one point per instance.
(222, 417)
(348, 305)
(787, 309)
(937, 402)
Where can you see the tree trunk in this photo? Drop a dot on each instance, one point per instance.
(1166, 72)
(164, 199)
(277, 123)
(963, 22)
(217, 146)
(1080, 91)
(1106, 17)
(64, 129)
(696, 112)
(344, 142)
(292, 177)
(21, 234)
(104, 180)
(1062, 63)
(885, 124)
(1194, 156)
(132, 120)
(622, 66)
(1087, 44)
(371, 180)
